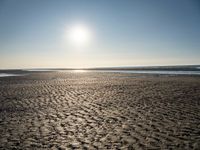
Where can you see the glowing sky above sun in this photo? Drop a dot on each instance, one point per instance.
(104, 33)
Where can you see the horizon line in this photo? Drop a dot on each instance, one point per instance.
(107, 67)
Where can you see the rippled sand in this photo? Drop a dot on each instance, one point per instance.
(58, 110)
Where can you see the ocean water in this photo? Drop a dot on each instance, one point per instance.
(162, 70)
(39, 70)
(147, 70)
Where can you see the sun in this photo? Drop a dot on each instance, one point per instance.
(79, 35)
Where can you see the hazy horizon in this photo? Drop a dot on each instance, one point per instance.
(92, 67)
(88, 34)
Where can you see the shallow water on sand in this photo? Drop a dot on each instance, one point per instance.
(8, 75)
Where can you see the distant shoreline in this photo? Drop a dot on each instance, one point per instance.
(158, 70)
(167, 68)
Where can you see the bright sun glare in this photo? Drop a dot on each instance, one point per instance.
(79, 35)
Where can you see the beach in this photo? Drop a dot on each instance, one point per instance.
(99, 110)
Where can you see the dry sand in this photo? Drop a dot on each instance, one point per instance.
(56, 110)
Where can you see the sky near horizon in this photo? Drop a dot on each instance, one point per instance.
(124, 33)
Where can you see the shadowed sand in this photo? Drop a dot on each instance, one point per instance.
(58, 110)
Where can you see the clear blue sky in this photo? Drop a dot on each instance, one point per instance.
(126, 32)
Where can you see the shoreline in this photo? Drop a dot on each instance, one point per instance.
(7, 73)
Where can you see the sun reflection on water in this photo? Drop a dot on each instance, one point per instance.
(79, 71)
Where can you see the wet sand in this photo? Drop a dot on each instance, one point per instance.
(57, 110)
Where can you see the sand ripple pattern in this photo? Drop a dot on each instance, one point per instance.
(99, 111)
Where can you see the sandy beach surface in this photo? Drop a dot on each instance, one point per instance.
(63, 110)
